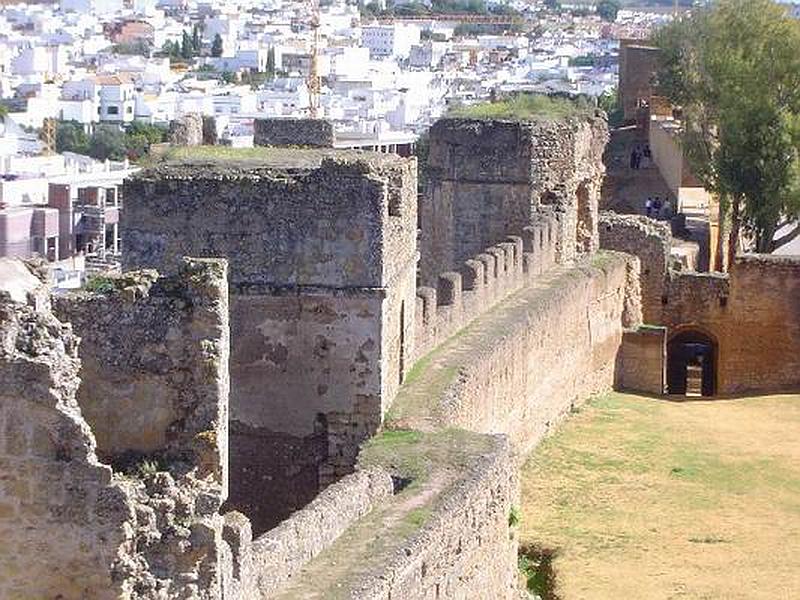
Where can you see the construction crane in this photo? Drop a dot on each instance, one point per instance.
(49, 136)
(313, 69)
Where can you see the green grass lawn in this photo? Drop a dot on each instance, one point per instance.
(522, 107)
(648, 499)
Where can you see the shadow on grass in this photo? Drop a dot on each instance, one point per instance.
(536, 567)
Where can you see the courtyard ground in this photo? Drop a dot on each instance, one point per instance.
(646, 499)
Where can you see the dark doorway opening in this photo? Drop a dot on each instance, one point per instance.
(691, 364)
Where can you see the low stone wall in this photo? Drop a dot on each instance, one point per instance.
(484, 281)
(293, 132)
(467, 547)
(270, 561)
(641, 365)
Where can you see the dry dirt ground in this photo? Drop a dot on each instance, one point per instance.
(650, 499)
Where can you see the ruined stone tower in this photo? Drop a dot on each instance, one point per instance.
(322, 253)
(490, 179)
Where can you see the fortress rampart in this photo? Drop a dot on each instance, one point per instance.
(303, 414)
(74, 526)
(482, 282)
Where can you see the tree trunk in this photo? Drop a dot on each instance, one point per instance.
(764, 242)
(736, 224)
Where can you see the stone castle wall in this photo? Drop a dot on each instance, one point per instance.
(154, 354)
(642, 360)
(467, 547)
(491, 179)
(482, 282)
(510, 388)
(293, 132)
(752, 314)
(323, 266)
(73, 527)
(517, 384)
(265, 564)
(649, 240)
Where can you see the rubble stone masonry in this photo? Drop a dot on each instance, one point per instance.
(491, 179)
(72, 527)
(293, 132)
(323, 266)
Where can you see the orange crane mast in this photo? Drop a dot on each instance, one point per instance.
(313, 71)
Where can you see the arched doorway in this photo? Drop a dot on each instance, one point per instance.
(691, 364)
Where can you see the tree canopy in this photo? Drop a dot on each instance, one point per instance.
(216, 46)
(109, 141)
(734, 71)
(608, 9)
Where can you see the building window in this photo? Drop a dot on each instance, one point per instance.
(112, 110)
(129, 110)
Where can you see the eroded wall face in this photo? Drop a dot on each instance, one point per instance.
(323, 263)
(307, 388)
(60, 519)
(491, 179)
(149, 528)
(283, 227)
(649, 240)
(154, 364)
(293, 132)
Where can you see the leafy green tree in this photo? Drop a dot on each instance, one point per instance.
(610, 103)
(270, 66)
(107, 142)
(734, 71)
(154, 134)
(136, 146)
(187, 49)
(608, 9)
(171, 49)
(216, 46)
(197, 41)
(71, 137)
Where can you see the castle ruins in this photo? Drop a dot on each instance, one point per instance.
(285, 396)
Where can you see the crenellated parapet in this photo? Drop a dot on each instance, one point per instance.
(482, 281)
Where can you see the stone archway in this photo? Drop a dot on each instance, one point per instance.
(692, 358)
